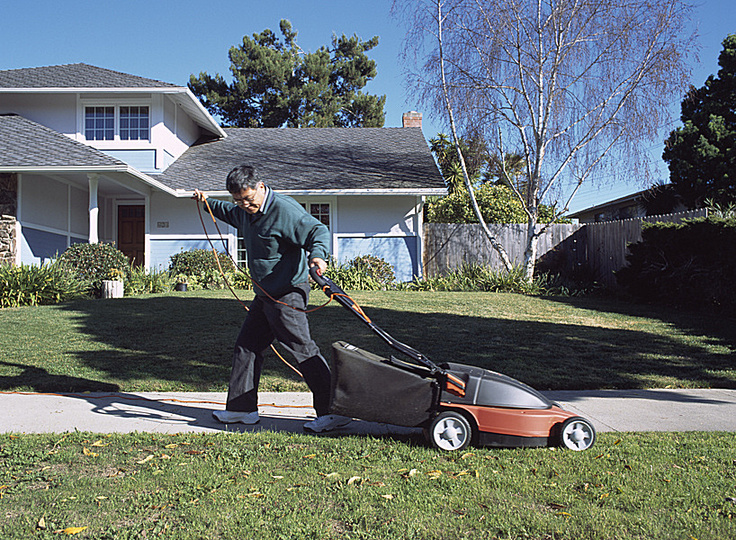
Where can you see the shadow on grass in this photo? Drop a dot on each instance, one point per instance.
(184, 342)
(43, 381)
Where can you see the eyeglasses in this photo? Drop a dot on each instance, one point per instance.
(247, 200)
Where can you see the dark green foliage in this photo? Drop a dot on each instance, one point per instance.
(196, 262)
(143, 282)
(476, 277)
(276, 84)
(495, 197)
(702, 153)
(38, 285)
(363, 273)
(199, 268)
(691, 264)
(497, 204)
(95, 262)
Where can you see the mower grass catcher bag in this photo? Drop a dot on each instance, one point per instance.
(369, 387)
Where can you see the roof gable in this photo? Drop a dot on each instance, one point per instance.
(311, 159)
(26, 144)
(74, 76)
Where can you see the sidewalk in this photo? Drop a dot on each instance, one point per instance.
(609, 410)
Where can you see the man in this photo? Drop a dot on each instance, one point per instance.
(278, 234)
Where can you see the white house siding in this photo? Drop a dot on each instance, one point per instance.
(175, 227)
(183, 132)
(57, 112)
(53, 214)
(383, 226)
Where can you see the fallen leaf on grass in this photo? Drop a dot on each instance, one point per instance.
(69, 531)
(388, 496)
(87, 452)
(99, 443)
(145, 459)
(353, 480)
(434, 474)
(169, 446)
(41, 524)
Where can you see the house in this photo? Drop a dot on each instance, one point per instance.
(88, 154)
(657, 200)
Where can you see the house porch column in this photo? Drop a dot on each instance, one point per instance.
(94, 211)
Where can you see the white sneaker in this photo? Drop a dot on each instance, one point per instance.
(328, 422)
(233, 417)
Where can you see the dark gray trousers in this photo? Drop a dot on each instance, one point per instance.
(268, 320)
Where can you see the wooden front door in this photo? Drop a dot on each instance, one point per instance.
(132, 232)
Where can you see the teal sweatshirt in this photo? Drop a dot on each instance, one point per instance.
(278, 239)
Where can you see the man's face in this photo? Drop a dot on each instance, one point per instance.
(250, 200)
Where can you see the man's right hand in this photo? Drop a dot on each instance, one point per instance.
(199, 196)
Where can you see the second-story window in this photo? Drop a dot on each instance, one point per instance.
(125, 123)
(99, 123)
(133, 123)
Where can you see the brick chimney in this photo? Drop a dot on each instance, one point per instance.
(412, 119)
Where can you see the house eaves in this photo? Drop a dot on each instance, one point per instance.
(180, 95)
(424, 192)
(83, 78)
(632, 198)
(29, 147)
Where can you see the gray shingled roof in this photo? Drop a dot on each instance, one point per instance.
(311, 159)
(75, 76)
(24, 143)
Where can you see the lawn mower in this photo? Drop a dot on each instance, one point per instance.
(456, 405)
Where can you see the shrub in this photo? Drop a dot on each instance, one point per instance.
(477, 277)
(27, 285)
(142, 282)
(497, 204)
(93, 263)
(363, 273)
(239, 279)
(690, 264)
(200, 268)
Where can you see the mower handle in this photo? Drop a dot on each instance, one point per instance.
(331, 289)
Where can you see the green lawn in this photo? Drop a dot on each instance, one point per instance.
(281, 485)
(183, 341)
(278, 485)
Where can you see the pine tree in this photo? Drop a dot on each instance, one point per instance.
(276, 84)
(702, 153)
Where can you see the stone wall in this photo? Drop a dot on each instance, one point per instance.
(8, 201)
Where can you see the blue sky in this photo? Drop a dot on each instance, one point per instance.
(170, 40)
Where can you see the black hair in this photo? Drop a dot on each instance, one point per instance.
(242, 177)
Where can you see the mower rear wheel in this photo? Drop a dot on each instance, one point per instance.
(577, 434)
(450, 431)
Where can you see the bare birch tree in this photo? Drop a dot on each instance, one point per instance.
(573, 86)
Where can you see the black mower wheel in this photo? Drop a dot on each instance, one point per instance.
(577, 434)
(450, 431)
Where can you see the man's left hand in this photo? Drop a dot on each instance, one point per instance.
(319, 263)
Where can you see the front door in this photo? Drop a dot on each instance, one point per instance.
(132, 232)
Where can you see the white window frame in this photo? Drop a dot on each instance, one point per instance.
(116, 142)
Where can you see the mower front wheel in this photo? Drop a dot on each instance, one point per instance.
(576, 433)
(450, 431)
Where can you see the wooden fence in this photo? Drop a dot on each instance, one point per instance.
(598, 249)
